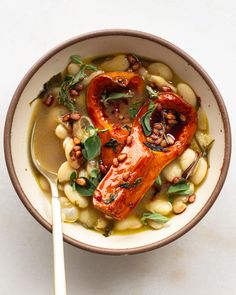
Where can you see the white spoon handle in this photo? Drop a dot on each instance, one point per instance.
(58, 250)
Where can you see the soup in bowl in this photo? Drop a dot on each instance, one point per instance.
(140, 140)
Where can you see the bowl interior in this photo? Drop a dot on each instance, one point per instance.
(94, 45)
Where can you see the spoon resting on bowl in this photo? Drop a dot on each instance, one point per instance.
(50, 173)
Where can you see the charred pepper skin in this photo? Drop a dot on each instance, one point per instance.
(142, 162)
(113, 82)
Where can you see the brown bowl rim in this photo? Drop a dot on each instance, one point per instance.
(102, 33)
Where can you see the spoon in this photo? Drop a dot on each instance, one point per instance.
(58, 250)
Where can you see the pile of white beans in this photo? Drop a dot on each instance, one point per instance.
(76, 207)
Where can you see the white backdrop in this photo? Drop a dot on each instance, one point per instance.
(201, 262)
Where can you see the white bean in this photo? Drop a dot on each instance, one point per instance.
(172, 170)
(64, 172)
(117, 63)
(88, 79)
(131, 222)
(202, 119)
(162, 207)
(160, 82)
(61, 131)
(88, 217)
(80, 128)
(187, 93)
(44, 183)
(56, 91)
(154, 224)
(73, 69)
(65, 141)
(69, 212)
(83, 173)
(191, 186)
(101, 223)
(75, 197)
(143, 72)
(203, 138)
(160, 69)
(187, 158)
(179, 207)
(200, 171)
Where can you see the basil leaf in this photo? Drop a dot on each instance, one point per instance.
(152, 93)
(154, 216)
(156, 148)
(86, 190)
(131, 185)
(76, 59)
(115, 96)
(145, 120)
(181, 188)
(92, 147)
(112, 143)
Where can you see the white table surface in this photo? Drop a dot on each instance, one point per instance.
(201, 262)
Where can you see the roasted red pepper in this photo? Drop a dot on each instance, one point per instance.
(116, 197)
(111, 82)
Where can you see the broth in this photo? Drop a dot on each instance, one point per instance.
(60, 144)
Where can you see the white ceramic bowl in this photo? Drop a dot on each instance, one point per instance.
(100, 43)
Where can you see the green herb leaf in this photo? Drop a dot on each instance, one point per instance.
(79, 76)
(156, 148)
(86, 190)
(158, 182)
(102, 130)
(152, 93)
(95, 176)
(181, 188)
(82, 74)
(132, 113)
(154, 216)
(91, 67)
(73, 176)
(54, 81)
(64, 97)
(111, 199)
(131, 185)
(116, 95)
(112, 143)
(108, 230)
(145, 120)
(171, 198)
(134, 110)
(76, 59)
(92, 147)
(204, 149)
